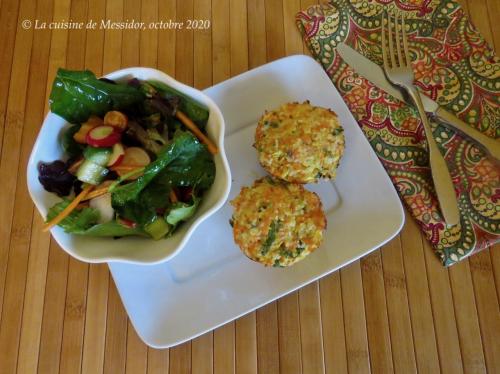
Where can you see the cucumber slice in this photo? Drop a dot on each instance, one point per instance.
(90, 172)
(99, 156)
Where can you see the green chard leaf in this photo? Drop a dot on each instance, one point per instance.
(145, 208)
(277, 264)
(76, 95)
(113, 229)
(68, 144)
(194, 166)
(338, 131)
(271, 236)
(183, 162)
(137, 212)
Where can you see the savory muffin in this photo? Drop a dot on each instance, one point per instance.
(277, 223)
(300, 143)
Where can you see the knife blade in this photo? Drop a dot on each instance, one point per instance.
(375, 74)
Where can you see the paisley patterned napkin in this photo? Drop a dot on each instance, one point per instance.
(454, 66)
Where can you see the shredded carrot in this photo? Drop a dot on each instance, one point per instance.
(99, 191)
(191, 126)
(173, 197)
(123, 177)
(125, 167)
(75, 165)
(68, 209)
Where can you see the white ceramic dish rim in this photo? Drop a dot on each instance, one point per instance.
(32, 173)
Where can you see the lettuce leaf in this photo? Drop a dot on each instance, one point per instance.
(76, 95)
(77, 220)
(84, 222)
(195, 110)
(182, 212)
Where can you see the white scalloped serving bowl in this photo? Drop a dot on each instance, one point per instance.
(134, 250)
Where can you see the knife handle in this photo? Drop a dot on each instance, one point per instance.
(443, 184)
(490, 145)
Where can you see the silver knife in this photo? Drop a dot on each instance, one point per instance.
(375, 74)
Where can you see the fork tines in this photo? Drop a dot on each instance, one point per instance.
(393, 37)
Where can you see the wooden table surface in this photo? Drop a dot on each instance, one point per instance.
(395, 310)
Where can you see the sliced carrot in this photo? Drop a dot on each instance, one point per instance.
(66, 212)
(212, 148)
(173, 197)
(81, 135)
(116, 119)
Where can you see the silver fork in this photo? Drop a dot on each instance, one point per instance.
(399, 72)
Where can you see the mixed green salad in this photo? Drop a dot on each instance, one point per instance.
(137, 157)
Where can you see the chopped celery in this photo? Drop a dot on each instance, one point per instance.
(158, 228)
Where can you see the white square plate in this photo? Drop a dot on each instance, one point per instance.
(211, 282)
